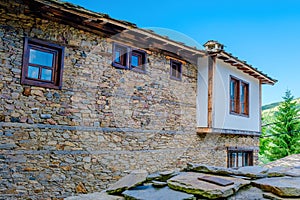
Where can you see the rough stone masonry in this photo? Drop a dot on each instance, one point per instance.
(104, 121)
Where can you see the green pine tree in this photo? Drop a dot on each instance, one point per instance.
(263, 144)
(283, 137)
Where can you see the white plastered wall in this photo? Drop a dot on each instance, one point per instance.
(222, 117)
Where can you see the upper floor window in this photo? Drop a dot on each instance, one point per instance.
(175, 70)
(120, 56)
(42, 64)
(239, 97)
(127, 58)
(138, 60)
(239, 158)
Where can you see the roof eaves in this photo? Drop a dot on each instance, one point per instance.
(244, 66)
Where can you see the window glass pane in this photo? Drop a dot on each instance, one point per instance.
(232, 86)
(233, 160)
(46, 74)
(246, 162)
(174, 70)
(40, 58)
(135, 60)
(243, 111)
(33, 72)
(242, 93)
(240, 159)
(118, 56)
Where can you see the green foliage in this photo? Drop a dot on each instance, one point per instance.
(282, 137)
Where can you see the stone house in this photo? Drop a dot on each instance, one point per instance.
(86, 98)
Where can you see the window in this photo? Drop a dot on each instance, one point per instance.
(138, 60)
(127, 58)
(42, 64)
(239, 97)
(120, 56)
(237, 158)
(175, 70)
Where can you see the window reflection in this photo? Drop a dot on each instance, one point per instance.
(33, 72)
(135, 60)
(46, 75)
(40, 58)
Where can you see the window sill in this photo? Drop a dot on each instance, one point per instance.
(138, 70)
(116, 65)
(240, 115)
(40, 84)
(175, 78)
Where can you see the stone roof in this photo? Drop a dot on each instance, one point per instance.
(106, 26)
(206, 182)
(289, 161)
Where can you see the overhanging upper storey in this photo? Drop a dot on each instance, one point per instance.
(216, 49)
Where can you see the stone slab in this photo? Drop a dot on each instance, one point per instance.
(189, 183)
(95, 196)
(253, 172)
(131, 180)
(271, 196)
(216, 180)
(248, 193)
(209, 169)
(281, 186)
(148, 192)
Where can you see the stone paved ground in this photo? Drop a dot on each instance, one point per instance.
(289, 161)
(95, 196)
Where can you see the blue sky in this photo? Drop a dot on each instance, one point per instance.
(264, 33)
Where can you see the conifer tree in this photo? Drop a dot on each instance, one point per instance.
(284, 135)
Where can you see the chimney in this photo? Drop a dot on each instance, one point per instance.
(213, 46)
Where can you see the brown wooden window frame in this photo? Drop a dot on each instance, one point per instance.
(238, 104)
(125, 58)
(234, 161)
(141, 60)
(175, 70)
(57, 64)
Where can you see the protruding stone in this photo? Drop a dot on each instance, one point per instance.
(131, 180)
(253, 172)
(80, 188)
(27, 91)
(278, 171)
(281, 186)
(37, 93)
(51, 121)
(159, 184)
(210, 169)
(248, 193)
(46, 116)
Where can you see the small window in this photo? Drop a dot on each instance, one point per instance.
(127, 58)
(175, 70)
(234, 95)
(138, 60)
(239, 97)
(244, 98)
(238, 158)
(120, 56)
(42, 64)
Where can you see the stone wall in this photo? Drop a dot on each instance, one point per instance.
(102, 124)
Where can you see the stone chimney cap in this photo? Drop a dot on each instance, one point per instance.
(213, 45)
